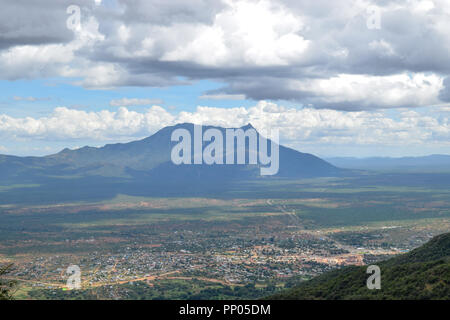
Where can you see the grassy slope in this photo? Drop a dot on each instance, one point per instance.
(424, 273)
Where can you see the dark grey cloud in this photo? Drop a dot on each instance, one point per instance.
(169, 12)
(162, 43)
(24, 22)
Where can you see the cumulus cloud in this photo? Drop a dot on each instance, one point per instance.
(67, 123)
(128, 102)
(298, 127)
(354, 92)
(319, 54)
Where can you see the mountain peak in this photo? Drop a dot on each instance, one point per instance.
(248, 126)
(151, 156)
(189, 126)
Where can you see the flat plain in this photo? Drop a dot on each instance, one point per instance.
(246, 243)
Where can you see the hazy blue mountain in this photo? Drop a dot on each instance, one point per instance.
(150, 157)
(432, 163)
(142, 168)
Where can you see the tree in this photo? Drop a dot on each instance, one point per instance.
(6, 286)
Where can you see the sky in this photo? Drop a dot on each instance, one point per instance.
(337, 78)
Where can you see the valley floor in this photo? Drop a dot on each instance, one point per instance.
(206, 248)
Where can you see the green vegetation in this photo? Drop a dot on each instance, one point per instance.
(283, 231)
(166, 289)
(422, 274)
(6, 285)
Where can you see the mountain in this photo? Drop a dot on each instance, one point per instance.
(148, 156)
(145, 166)
(423, 273)
(432, 163)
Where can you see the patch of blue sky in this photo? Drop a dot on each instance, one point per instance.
(37, 98)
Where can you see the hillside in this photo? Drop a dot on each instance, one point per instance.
(423, 273)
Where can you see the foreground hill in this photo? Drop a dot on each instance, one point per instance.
(423, 273)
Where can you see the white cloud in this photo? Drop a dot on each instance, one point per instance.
(298, 127)
(3, 149)
(363, 91)
(67, 123)
(128, 102)
(247, 32)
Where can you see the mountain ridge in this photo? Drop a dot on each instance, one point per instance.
(434, 162)
(147, 154)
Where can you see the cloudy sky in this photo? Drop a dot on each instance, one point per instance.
(338, 78)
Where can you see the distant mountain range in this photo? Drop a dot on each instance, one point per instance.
(422, 274)
(432, 163)
(151, 156)
(146, 165)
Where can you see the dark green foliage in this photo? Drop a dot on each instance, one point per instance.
(422, 274)
(160, 290)
(436, 249)
(6, 285)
